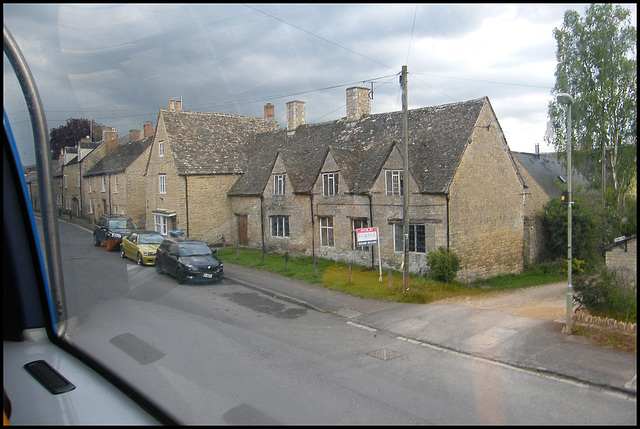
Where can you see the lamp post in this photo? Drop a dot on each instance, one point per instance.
(567, 100)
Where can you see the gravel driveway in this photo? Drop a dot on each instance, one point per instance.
(538, 302)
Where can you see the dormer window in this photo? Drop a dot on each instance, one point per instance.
(329, 184)
(278, 184)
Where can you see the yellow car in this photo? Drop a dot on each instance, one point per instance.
(141, 247)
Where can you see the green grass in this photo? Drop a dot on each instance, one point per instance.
(365, 282)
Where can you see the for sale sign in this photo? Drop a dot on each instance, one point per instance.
(367, 236)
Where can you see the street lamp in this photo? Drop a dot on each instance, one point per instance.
(568, 101)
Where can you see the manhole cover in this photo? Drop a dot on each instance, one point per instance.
(384, 354)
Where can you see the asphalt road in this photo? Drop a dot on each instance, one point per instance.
(227, 354)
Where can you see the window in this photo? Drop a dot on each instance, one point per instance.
(329, 184)
(104, 184)
(279, 226)
(278, 184)
(417, 238)
(160, 224)
(162, 183)
(115, 184)
(161, 148)
(393, 180)
(65, 181)
(357, 224)
(326, 231)
(90, 187)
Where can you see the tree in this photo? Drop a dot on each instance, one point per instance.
(71, 133)
(597, 66)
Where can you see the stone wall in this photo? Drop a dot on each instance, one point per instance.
(486, 206)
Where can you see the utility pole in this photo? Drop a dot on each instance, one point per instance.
(405, 182)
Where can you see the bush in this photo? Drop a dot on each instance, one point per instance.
(608, 293)
(443, 265)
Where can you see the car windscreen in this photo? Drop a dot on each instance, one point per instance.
(122, 224)
(150, 239)
(193, 249)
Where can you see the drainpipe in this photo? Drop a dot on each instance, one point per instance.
(313, 229)
(262, 220)
(448, 237)
(186, 203)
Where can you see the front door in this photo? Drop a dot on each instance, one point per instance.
(243, 235)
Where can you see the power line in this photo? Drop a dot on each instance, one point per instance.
(319, 37)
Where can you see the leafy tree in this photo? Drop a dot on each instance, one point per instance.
(586, 240)
(597, 65)
(71, 133)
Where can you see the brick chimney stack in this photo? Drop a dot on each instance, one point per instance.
(358, 103)
(111, 138)
(295, 114)
(179, 104)
(269, 111)
(134, 135)
(148, 129)
(172, 104)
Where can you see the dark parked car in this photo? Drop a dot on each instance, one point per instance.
(110, 229)
(188, 260)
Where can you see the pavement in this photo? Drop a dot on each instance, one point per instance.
(526, 343)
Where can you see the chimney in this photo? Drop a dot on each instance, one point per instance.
(148, 129)
(134, 135)
(111, 138)
(295, 114)
(269, 111)
(358, 103)
(179, 104)
(172, 105)
(537, 150)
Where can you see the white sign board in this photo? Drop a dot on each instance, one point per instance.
(366, 236)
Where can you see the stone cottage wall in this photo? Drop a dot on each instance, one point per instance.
(486, 206)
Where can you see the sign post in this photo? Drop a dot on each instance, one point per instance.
(368, 237)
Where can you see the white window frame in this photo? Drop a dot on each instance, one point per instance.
(115, 184)
(161, 223)
(162, 183)
(393, 182)
(104, 184)
(278, 184)
(161, 148)
(327, 238)
(279, 226)
(329, 184)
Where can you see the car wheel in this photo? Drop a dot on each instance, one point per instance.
(122, 255)
(139, 258)
(181, 276)
(158, 269)
(96, 242)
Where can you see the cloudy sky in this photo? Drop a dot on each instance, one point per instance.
(118, 64)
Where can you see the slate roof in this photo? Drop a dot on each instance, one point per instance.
(438, 137)
(119, 158)
(545, 169)
(211, 143)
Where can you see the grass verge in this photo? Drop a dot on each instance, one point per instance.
(366, 283)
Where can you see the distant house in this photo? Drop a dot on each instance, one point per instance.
(194, 159)
(544, 178)
(115, 184)
(307, 188)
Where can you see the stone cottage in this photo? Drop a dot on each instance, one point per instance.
(544, 178)
(194, 159)
(308, 187)
(116, 184)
